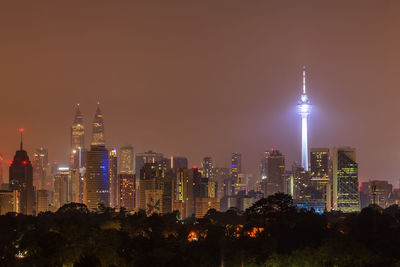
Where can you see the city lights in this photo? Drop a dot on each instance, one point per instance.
(212, 145)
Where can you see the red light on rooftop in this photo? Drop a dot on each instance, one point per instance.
(24, 162)
(194, 167)
(21, 130)
(11, 162)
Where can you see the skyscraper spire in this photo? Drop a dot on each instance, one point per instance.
(98, 128)
(78, 116)
(21, 130)
(304, 80)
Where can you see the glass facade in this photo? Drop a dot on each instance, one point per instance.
(345, 180)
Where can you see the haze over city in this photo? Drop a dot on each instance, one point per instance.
(205, 79)
(200, 133)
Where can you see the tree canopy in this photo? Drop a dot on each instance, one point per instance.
(270, 233)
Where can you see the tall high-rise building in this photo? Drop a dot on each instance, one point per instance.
(320, 174)
(76, 193)
(207, 166)
(319, 162)
(150, 193)
(236, 165)
(221, 176)
(184, 193)
(236, 169)
(77, 140)
(263, 171)
(97, 178)
(126, 192)
(126, 157)
(301, 182)
(275, 173)
(146, 157)
(365, 193)
(263, 165)
(167, 186)
(40, 167)
(62, 182)
(304, 109)
(113, 162)
(148, 173)
(346, 196)
(21, 179)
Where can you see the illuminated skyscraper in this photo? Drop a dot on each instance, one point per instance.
(304, 109)
(346, 196)
(236, 164)
(320, 174)
(40, 167)
(113, 162)
(264, 171)
(236, 168)
(62, 180)
(21, 179)
(150, 193)
(97, 178)
(263, 165)
(126, 192)
(275, 173)
(77, 140)
(184, 197)
(126, 160)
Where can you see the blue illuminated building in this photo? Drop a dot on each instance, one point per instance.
(97, 179)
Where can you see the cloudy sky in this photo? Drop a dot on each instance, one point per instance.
(204, 78)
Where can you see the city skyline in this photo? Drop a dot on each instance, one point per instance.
(98, 114)
(238, 90)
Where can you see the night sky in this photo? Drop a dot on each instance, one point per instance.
(205, 78)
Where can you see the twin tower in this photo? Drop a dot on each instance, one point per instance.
(96, 186)
(78, 130)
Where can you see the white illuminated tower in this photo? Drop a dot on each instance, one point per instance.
(304, 109)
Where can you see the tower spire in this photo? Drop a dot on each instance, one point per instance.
(21, 130)
(78, 119)
(304, 80)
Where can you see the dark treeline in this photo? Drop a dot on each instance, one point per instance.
(270, 233)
